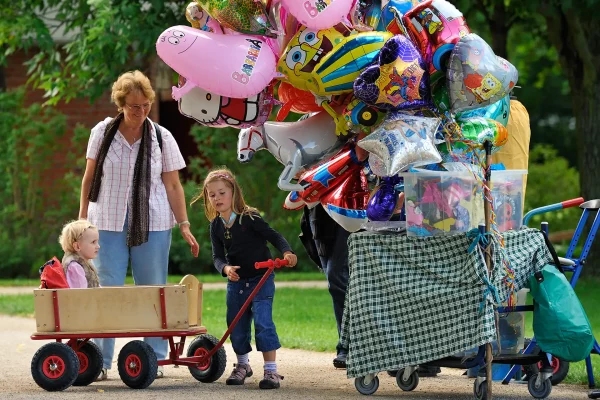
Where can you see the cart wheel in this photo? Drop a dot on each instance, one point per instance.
(90, 364)
(407, 385)
(480, 390)
(560, 369)
(137, 364)
(209, 370)
(54, 367)
(539, 392)
(359, 384)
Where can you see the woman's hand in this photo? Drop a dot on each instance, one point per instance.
(291, 258)
(230, 271)
(190, 239)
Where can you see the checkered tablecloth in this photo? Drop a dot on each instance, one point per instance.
(411, 300)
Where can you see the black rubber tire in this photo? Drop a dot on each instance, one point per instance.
(215, 368)
(137, 364)
(369, 389)
(480, 391)
(409, 385)
(559, 372)
(541, 392)
(60, 357)
(90, 364)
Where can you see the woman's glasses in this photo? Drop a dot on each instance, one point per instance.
(139, 107)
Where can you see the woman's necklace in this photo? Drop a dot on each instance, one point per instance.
(228, 224)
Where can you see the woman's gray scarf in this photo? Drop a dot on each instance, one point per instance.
(138, 222)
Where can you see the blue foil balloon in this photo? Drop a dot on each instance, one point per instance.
(382, 204)
(498, 111)
(399, 81)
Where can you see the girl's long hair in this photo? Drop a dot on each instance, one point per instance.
(238, 205)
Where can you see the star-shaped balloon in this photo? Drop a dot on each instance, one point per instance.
(402, 141)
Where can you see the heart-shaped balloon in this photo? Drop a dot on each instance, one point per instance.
(403, 141)
(398, 82)
(475, 132)
(245, 16)
(498, 111)
(346, 203)
(476, 76)
(318, 14)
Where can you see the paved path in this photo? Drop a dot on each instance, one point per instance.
(308, 375)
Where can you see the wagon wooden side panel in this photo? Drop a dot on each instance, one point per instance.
(112, 309)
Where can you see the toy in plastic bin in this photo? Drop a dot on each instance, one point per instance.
(438, 204)
(507, 192)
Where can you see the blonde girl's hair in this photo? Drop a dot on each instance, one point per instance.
(130, 82)
(72, 232)
(239, 205)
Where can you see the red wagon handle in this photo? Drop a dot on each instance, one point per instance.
(277, 263)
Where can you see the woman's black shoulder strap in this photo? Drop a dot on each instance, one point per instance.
(158, 135)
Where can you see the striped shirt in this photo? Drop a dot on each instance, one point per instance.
(109, 212)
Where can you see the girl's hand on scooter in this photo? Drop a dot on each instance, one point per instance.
(290, 258)
(230, 271)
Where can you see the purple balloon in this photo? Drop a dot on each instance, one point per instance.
(381, 206)
(399, 81)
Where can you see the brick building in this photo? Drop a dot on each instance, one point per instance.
(81, 111)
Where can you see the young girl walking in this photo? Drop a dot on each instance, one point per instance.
(239, 239)
(79, 241)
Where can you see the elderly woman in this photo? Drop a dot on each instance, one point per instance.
(132, 193)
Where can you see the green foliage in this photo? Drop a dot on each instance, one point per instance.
(32, 210)
(258, 180)
(103, 39)
(551, 180)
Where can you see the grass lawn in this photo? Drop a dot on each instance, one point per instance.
(284, 274)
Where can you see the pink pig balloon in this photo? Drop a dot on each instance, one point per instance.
(239, 66)
(319, 14)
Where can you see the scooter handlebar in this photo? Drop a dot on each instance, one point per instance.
(277, 263)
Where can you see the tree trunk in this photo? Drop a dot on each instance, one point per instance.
(499, 27)
(578, 45)
(2, 80)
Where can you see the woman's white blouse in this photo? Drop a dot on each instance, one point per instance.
(109, 212)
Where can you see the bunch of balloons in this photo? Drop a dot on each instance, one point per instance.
(405, 80)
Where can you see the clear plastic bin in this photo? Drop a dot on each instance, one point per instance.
(507, 192)
(450, 202)
(511, 328)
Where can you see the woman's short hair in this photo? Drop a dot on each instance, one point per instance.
(129, 82)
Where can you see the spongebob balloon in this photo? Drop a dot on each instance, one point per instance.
(326, 63)
(303, 52)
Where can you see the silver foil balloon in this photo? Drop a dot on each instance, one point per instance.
(476, 76)
(400, 142)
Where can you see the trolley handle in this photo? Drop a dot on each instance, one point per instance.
(277, 263)
(552, 207)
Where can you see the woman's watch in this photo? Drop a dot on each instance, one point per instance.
(180, 224)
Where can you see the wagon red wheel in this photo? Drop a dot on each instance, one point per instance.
(137, 364)
(133, 365)
(210, 369)
(90, 362)
(54, 366)
(205, 363)
(84, 362)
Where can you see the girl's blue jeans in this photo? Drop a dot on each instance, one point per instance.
(149, 264)
(261, 311)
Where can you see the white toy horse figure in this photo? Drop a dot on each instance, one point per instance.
(297, 145)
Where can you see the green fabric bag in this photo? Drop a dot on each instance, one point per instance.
(560, 324)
